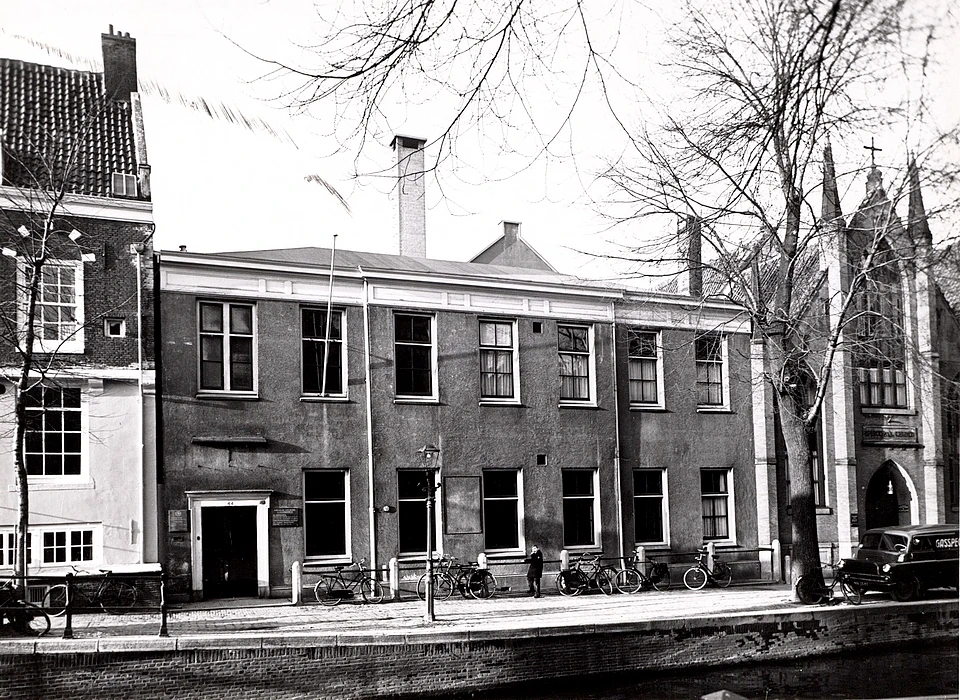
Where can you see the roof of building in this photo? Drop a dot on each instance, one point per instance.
(56, 124)
(947, 273)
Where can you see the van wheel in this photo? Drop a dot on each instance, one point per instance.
(905, 591)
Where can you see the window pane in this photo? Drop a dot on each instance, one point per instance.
(414, 371)
(577, 482)
(412, 483)
(648, 482)
(499, 484)
(325, 531)
(211, 318)
(324, 486)
(578, 522)
(500, 524)
(572, 339)
(241, 319)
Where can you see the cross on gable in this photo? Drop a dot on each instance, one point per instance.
(873, 151)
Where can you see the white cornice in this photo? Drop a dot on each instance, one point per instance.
(131, 210)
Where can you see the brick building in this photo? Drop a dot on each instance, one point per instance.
(75, 206)
(566, 414)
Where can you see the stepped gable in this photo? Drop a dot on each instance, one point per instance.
(57, 120)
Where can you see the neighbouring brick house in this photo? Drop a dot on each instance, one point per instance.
(72, 145)
(886, 450)
(566, 414)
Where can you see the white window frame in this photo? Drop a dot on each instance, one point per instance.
(342, 394)
(39, 480)
(660, 403)
(595, 505)
(664, 508)
(724, 405)
(123, 185)
(346, 555)
(591, 399)
(107, 322)
(38, 536)
(437, 524)
(434, 394)
(74, 344)
(515, 360)
(518, 502)
(226, 335)
(731, 538)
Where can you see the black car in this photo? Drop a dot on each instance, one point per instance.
(905, 560)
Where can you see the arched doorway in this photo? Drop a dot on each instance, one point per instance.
(889, 498)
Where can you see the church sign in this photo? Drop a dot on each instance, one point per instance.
(890, 435)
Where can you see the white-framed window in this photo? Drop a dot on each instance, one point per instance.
(57, 545)
(716, 498)
(577, 372)
(123, 185)
(580, 507)
(8, 548)
(501, 509)
(313, 332)
(326, 520)
(53, 439)
(412, 488)
(114, 328)
(58, 318)
(415, 354)
(645, 358)
(713, 381)
(650, 510)
(227, 359)
(499, 366)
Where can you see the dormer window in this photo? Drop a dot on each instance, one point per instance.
(124, 185)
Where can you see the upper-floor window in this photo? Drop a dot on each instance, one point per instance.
(645, 369)
(649, 506)
(575, 352)
(880, 352)
(498, 360)
(325, 525)
(323, 370)
(58, 318)
(415, 350)
(712, 379)
(227, 347)
(123, 185)
(501, 509)
(52, 442)
(579, 507)
(715, 498)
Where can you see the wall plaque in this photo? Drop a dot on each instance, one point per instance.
(461, 505)
(285, 517)
(178, 521)
(889, 435)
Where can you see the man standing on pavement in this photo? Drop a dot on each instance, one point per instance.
(534, 571)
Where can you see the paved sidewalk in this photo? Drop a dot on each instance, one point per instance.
(252, 617)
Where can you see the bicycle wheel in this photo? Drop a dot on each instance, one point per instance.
(852, 593)
(629, 581)
(371, 590)
(55, 600)
(695, 578)
(443, 586)
(722, 574)
(568, 583)
(117, 597)
(324, 591)
(660, 577)
(808, 590)
(28, 619)
(607, 580)
(463, 584)
(483, 584)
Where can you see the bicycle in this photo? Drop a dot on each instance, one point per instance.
(810, 590)
(23, 616)
(470, 581)
(333, 588)
(112, 595)
(575, 580)
(632, 579)
(697, 576)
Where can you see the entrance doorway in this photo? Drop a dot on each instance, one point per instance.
(883, 505)
(229, 551)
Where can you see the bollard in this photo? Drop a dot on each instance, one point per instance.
(564, 560)
(787, 570)
(394, 578)
(777, 561)
(481, 561)
(296, 583)
(640, 559)
(163, 605)
(68, 626)
(711, 553)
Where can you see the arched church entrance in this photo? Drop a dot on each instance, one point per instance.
(888, 498)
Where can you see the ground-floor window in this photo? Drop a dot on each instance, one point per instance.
(714, 496)
(412, 488)
(649, 506)
(76, 545)
(579, 507)
(325, 513)
(501, 509)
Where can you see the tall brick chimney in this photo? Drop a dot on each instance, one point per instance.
(694, 261)
(411, 195)
(119, 65)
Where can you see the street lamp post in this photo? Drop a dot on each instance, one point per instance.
(428, 459)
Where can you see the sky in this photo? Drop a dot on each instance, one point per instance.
(218, 186)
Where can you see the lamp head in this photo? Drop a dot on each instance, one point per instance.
(427, 455)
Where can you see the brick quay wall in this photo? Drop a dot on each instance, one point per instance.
(432, 662)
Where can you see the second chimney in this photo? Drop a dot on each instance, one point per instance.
(411, 195)
(119, 65)
(694, 261)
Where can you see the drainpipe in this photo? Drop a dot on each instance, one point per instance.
(371, 507)
(616, 459)
(138, 250)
